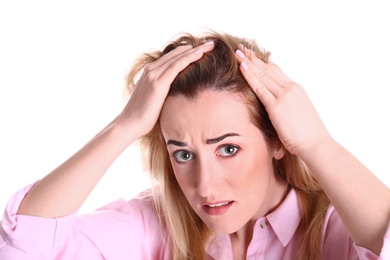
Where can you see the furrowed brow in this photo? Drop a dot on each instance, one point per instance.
(220, 138)
(177, 143)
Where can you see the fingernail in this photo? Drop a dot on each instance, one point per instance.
(244, 65)
(199, 51)
(240, 54)
(209, 43)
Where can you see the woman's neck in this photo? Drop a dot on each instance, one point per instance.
(241, 239)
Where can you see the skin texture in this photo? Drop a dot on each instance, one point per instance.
(237, 168)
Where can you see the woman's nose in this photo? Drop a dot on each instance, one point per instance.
(206, 182)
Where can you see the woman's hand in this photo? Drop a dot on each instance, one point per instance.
(291, 112)
(63, 191)
(145, 103)
(350, 186)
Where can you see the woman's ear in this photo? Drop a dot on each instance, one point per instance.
(279, 152)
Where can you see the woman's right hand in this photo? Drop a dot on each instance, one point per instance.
(143, 108)
(63, 191)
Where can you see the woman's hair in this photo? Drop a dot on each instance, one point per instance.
(218, 70)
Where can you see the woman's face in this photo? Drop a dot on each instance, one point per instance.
(220, 159)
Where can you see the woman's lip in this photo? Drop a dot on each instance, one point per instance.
(217, 208)
(216, 202)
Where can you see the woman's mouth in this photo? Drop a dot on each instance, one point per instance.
(217, 208)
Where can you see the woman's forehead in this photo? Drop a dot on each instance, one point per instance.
(206, 104)
(211, 112)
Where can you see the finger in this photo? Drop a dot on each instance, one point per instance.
(153, 70)
(279, 77)
(156, 69)
(179, 52)
(267, 73)
(165, 58)
(271, 75)
(250, 73)
(276, 89)
(178, 63)
(270, 69)
(259, 69)
(177, 59)
(253, 58)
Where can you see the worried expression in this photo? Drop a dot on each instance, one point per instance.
(220, 159)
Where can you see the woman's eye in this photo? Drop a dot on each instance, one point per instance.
(227, 150)
(183, 156)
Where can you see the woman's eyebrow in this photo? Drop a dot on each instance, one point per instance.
(220, 138)
(208, 141)
(177, 143)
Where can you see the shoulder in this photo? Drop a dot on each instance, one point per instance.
(337, 243)
(121, 224)
(335, 236)
(136, 214)
(141, 206)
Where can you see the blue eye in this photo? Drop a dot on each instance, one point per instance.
(183, 156)
(227, 150)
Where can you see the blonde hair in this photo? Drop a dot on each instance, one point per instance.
(218, 70)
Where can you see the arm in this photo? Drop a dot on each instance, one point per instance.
(360, 198)
(65, 189)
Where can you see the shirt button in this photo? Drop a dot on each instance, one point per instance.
(263, 224)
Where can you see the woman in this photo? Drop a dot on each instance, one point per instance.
(242, 164)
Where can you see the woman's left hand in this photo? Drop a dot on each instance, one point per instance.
(352, 189)
(291, 112)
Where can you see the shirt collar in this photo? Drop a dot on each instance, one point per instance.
(285, 219)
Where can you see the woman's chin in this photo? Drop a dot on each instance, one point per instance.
(221, 228)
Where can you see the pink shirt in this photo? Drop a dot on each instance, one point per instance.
(131, 230)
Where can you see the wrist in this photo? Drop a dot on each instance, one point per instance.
(320, 148)
(123, 132)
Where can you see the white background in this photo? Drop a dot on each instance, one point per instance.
(63, 63)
